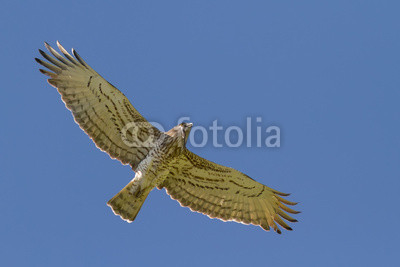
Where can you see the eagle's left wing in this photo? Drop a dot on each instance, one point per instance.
(99, 108)
(225, 193)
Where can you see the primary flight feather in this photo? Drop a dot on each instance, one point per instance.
(159, 159)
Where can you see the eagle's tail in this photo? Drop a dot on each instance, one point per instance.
(129, 200)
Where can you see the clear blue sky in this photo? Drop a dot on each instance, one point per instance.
(325, 72)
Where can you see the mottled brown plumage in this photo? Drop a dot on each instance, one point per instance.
(159, 159)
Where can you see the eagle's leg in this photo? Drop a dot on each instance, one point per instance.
(130, 199)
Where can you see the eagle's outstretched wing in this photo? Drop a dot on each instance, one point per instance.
(225, 193)
(99, 108)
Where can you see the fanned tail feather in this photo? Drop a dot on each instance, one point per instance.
(129, 200)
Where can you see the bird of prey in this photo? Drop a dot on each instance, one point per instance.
(159, 159)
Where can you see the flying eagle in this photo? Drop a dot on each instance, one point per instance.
(159, 159)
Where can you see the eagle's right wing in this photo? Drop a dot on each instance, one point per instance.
(99, 108)
(225, 193)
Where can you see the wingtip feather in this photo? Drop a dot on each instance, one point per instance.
(79, 58)
(47, 73)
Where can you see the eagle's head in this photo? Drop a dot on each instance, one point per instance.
(186, 127)
(181, 131)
